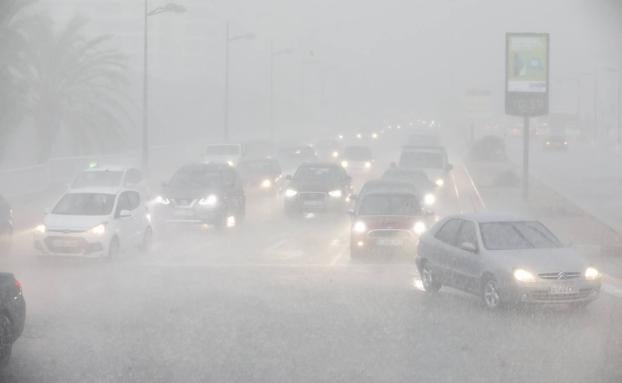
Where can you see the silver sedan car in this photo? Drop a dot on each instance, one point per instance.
(504, 260)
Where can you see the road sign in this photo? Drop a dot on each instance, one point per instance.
(527, 74)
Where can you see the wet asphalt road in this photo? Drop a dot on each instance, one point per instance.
(279, 301)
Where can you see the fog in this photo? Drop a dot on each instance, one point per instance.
(265, 191)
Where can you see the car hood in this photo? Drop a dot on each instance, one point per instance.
(388, 222)
(57, 222)
(542, 260)
(183, 192)
(315, 186)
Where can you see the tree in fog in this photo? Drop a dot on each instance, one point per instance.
(79, 85)
(14, 66)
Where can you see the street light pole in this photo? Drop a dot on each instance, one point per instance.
(172, 8)
(225, 132)
(145, 131)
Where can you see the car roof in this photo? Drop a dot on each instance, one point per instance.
(98, 190)
(108, 169)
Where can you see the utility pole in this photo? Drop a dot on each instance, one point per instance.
(225, 132)
(145, 131)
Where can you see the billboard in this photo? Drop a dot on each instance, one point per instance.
(527, 74)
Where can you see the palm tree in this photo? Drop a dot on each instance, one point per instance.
(14, 36)
(79, 86)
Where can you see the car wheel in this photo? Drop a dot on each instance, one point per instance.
(6, 339)
(429, 279)
(147, 242)
(490, 294)
(113, 248)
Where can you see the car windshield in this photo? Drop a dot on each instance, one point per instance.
(422, 160)
(103, 178)
(312, 174)
(222, 150)
(85, 204)
(358, 153)
(415, 177)
(389, 204)
(195, 177)
(517, 236)
(257, 167)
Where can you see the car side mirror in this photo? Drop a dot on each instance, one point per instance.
(351, 212)
(468, 246)
(125, 213)
(450, 167)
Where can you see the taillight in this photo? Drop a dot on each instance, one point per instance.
(18, 285)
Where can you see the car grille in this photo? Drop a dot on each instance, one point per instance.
(389, 233)
(313, 196)
(545, 295)
(564, 275)
(183, 202)
(74, 245)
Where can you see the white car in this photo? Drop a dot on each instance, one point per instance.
(95, 223)
(230, 154)
(432, 160)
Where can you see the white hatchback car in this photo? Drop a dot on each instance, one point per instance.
(95, 223)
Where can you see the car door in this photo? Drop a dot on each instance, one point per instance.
(123, 225)
(442, 257)
(465, 258)
(136, 223)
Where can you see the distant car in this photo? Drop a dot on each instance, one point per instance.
(262, 175)
(427, 195)
(357, 158)
(556, 143)
(487, 149)
(387, 222)
(504, 260)
(210, 194)
(416, 177)
(258, 149)
(110, 177)
(229, 154)
(12, 315)
(328, 150)
(6, 225)
(317, 187)
(292, 157)
(432, 160)
(96, 222)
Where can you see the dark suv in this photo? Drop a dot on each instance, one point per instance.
(318, 187)
(203, 193)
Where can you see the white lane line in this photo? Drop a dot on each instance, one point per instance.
(272, 248)
(337, 258)
(453, 181)
(612, 290)
(479, 196)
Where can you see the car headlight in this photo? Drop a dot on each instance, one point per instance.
(344, 164)
(359, 227)
(266, 184)
(374, 136)
(98, 230)
(367, 165)
(429, 199)
(336, 194)
(591, 274)
(210, 201)
(231, 163)
(291, 193)
(420, 227)
(162, 200)
(522, 275)
(548, 143)
(335, 154)
(440, 182)
(41, 229)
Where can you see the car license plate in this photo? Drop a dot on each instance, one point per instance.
(390, 242)
(65, 242)
(184, 213)
(562, 290)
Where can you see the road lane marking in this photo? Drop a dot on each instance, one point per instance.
(479, 196)
(272, 248)
(453, 181)
(337, 258)
(612, 290)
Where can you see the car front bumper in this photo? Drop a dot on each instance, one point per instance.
(72, 244)
(552, 292)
